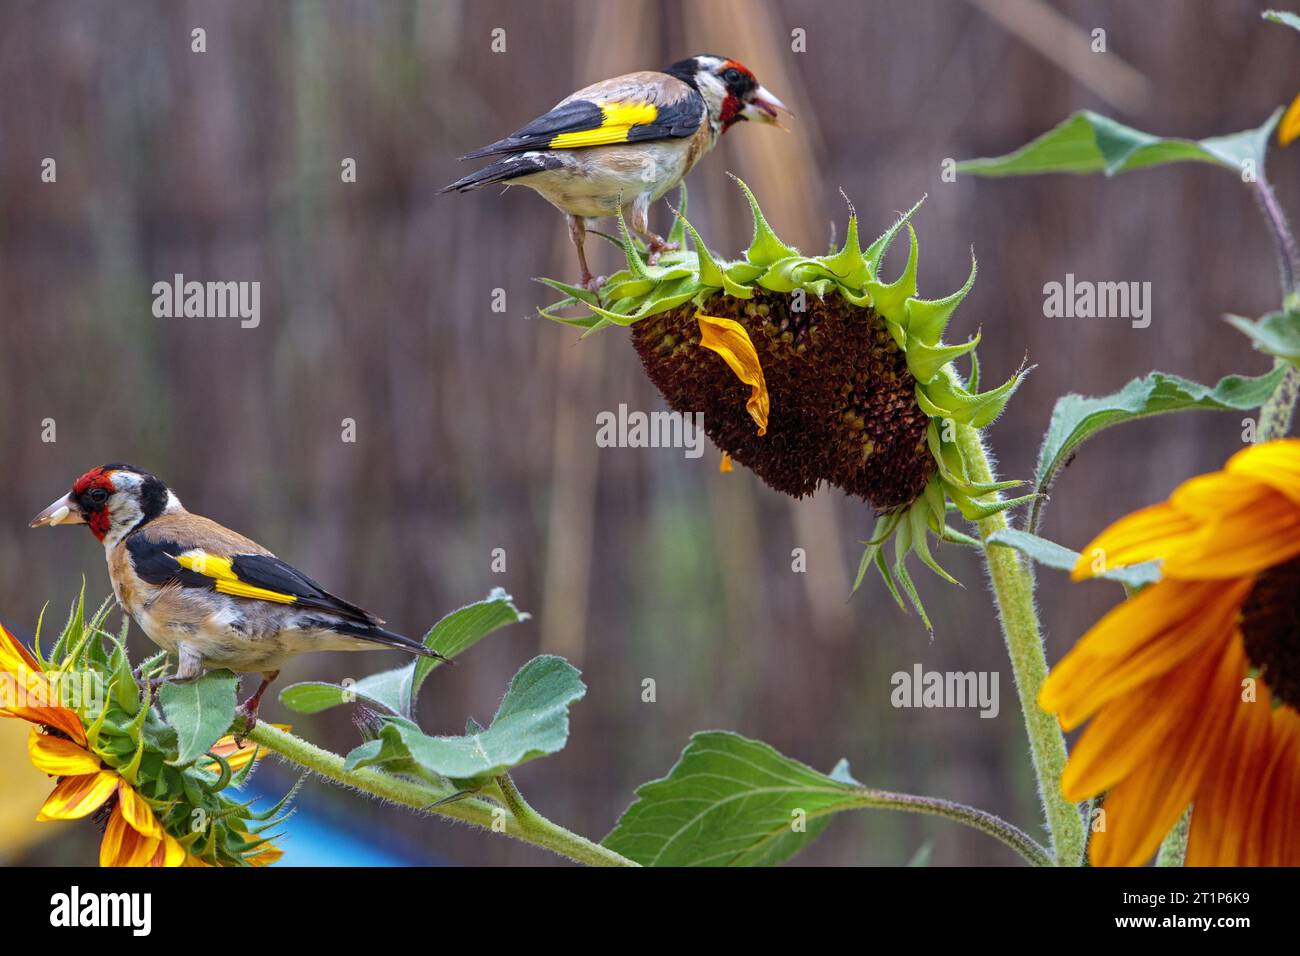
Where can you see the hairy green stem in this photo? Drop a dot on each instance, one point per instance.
(1173, 851)
(425, 798)
(1275, 417)
(1013, 590)
(1288, 253)
(985, 822)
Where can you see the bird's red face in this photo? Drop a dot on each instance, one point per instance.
(111, 499)
(734, 92)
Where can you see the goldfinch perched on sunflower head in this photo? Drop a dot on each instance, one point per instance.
(623, 143)
(208, 596)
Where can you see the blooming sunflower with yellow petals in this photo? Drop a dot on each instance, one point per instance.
(1191, 688)
(113, 759)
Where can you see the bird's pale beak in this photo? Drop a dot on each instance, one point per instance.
(63, 511)
(763, 106)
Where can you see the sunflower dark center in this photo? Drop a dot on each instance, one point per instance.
(843, 402)
(1270, 629)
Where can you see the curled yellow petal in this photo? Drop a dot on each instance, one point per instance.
(137, 813)
(77, 797)
(170, 852)
(1289, 128)
(729, 339)
(59, 757)
(238, 753)
(124, 845)
(13, 655)
(725, 465)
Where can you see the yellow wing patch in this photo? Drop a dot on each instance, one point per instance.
(616, 124)
(220, 570)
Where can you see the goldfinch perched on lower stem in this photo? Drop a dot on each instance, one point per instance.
(623, 143)
(205, 594)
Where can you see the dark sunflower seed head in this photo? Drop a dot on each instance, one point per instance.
(843, 403)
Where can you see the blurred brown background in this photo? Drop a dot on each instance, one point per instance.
(476, 430)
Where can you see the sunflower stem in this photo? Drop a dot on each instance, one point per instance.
(1013, 590)
(1288, 253)
(537, 830)
(1275, 417)
(980, 820)
(1173, 851)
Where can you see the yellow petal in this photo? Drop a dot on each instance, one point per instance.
(729, 339)
(1143, 806)
(1280, 816)
(1139, 641)
(265, 855)
(76, 797)
(137, 813)
(1274, 463)
(170, 853)
(1224, 831)
(725, 465)
(1263, 532)
(1142, 536)
(13, 654)
(1289, 128)
(59, 757)
(239, 753)
(28, 694)
(123, 845)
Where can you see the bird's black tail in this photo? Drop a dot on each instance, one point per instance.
(379, 635)
(503, 170)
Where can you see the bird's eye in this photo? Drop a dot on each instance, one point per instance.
(732, 75)
(97, 496)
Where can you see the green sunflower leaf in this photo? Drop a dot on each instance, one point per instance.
(462, 629)
(1087, 142)
(1284, 17)
(1076, 418)
(200, 711)
(1053, 555)
(398, 689)
(730, 801)
(1277, 333)
(532, 721)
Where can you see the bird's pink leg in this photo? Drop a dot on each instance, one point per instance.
(639, 222)
(578, 233)
(248, 709)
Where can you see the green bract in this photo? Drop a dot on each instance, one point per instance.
(167, 756)
(864, 393)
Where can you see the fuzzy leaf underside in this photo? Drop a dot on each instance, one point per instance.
(397, 690)
(1087, 142)
(1053, 555)
(532, 721)
(1077, 418)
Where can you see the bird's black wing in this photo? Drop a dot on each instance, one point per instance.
(584, 122)
(258, 577)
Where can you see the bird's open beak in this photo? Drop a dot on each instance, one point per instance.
(63, 511)
(763, 106)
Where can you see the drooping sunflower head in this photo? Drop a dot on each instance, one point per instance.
(812, 370)
(1192, 687)
(115, 759)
